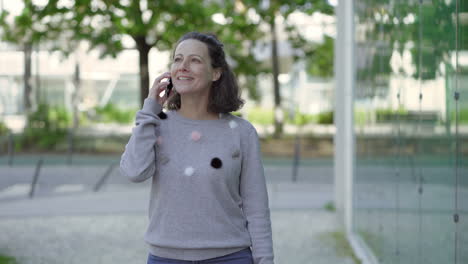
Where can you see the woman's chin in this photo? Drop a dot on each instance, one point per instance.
(189, 91)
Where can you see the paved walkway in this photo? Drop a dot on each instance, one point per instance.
(108, 227)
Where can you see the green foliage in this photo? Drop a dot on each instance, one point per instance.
(462, 116)
(47, 127)
(430, 37)
(330, 206)
(261, 116)
(111, 113)
(339, 242)
(22, 30)
(385, 114)
(3, 129)
(264, 116)
(158, 24)
(320, 59)
(325, 118)
(7, 260)
(361, 117)
(301, 119)
(237, 113)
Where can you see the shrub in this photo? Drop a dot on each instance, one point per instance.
(3, 129)
(325, 118)
(462, 116)
(7, 260)
(301, 119)
(111, 113)
(261, 116)
(385, 115)
(46, 127)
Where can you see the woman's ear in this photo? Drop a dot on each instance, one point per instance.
(216, 74)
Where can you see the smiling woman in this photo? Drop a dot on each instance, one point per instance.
(207, 55)
(209, 201)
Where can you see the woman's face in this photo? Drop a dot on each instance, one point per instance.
(191, 69)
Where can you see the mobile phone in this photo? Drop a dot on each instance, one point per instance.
(169, 87)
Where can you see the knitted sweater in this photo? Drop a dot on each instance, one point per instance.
(208, 195)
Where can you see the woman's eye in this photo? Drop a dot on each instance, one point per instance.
(196, 60)
(177, 59)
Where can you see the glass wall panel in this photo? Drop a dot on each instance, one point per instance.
(411, 125)
(461, 112)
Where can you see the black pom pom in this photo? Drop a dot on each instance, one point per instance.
(162, 115)
(216, 163)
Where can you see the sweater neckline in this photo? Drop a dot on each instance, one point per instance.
(181, 118)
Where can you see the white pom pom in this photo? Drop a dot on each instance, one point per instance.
(232, 124)
(189, 171)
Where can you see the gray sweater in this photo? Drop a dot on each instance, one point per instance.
(208, 194)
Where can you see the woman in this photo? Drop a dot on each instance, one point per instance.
(208, 202)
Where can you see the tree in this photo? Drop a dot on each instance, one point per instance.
(104, 23)
(426, 29)
(22, 32)
(36, 25)
(269, 11)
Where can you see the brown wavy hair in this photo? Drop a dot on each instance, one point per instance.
(224, 93)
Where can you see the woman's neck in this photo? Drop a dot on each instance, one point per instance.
(196, 108)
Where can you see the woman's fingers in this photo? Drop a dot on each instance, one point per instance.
(159, 86)
(162, 76)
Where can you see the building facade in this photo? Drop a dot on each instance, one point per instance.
(401, 155)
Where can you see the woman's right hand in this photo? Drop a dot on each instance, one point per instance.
(159, 86)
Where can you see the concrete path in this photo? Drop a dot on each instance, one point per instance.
(108, 227)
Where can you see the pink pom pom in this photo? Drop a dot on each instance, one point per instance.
(195, 136)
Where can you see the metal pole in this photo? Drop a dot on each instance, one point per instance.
(70, 146)
(11, 148)
(297, 155)
(104, 177)
(35, 178)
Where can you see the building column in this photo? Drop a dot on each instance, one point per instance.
(343, 115)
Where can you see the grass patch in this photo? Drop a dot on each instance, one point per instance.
(329, 206)
(338, 240)
(372, 241)
(7, 260)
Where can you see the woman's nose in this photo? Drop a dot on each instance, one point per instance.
(184, 65)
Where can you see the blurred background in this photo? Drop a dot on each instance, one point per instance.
(74, 73)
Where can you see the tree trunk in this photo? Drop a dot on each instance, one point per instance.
(277, 96)
(76, 94)
(27, 78)
(37, 93)
(143, 51)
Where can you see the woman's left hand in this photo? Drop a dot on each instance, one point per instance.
(159, 86)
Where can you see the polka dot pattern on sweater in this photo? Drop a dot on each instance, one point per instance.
(162, 115)
(195, 136)
(189, 171)
(216, 163)
(232, 124)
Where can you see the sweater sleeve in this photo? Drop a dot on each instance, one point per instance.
(255, 199)
(138, 160)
